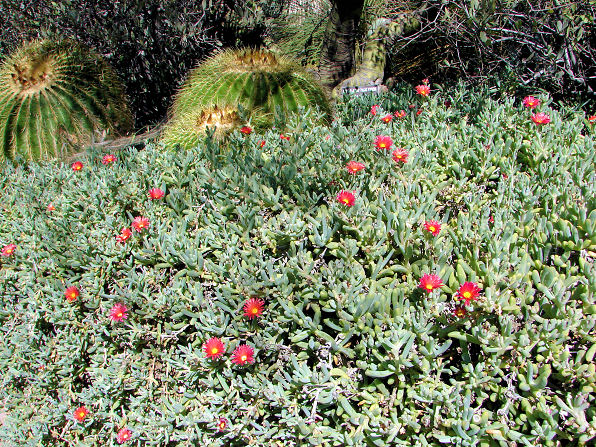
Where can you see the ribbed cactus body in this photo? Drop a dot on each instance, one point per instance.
(260, 81)
(55, 98)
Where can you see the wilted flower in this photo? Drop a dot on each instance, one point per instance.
(387, 118)
(460, 312)
(468, 292)
(246, 130)
(80, 414)
(418, 112)
(8, 250)
(433, 227)
(123, 435)
(353, 167)
(400, 113)
(430, 282)
(541, 118)
(108, 158)
(77, 166)
(373, 109)
(262, 143)
(124, 235)
(222, 423)
(140, 223)
(530, 102)
(346, 197)
(214, 348)
(383, 142)
(118, 312)
(253, 308)
(243, 354)
(156, 193)
(71, 294)
(400, 155)
(423, 90)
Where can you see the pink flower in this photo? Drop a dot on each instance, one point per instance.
(387, 118)
(214, 348)
(253, 308)
(592, 119)
(284, 137)
(400, 155)
(243, 354)
(400, 113)
(433, 227)
(140, 223)
(246, 130)
(383, 142)
(124, 235)
(530, 102)
(80, 413)
(71, 294)
(8, 250)
(156, 193)
(123, 435)
(430, 282)
(51, 207)
(541, 118)
(468, 291)
(77, 166)
(118, 312)
(108, 158)
(353, 167)
(262, 143)
(423, 90)
(373, 109)
(346, 197)
(222, 424)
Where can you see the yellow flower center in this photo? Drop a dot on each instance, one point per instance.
(382, 145)
(467, 294)
(243, 358)
(432, 228)
(429, 286)
(214, 350)
(119, 314)
(255, 310)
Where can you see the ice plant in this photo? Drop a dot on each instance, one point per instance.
(459, 312)
(51, 207)
(387, 118)
(346, 197)
(400, 155)
(140, 223)
(430, 282)
(373, 109)
(124, 235)
(80, 414)
(468, 292)
(246, 130)
(400, 113)
(8, 250)
(77, 166)
(423, 89)
(214, 348)
(108, 158)
(383, 142)
(118, 312)
(156, 193)
(262, 143)
(541, 118)
(123, 435)
(433, 227)
(530, 102)
(71, 294)
(353, 167)
(222, 424)
(284, 137)
(243, 354)
(253, 308)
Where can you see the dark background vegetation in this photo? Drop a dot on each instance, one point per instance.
(521, 46)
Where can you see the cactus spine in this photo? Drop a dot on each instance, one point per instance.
(54, 97)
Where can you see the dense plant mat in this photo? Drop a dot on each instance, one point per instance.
(437, 290)
(56, 97)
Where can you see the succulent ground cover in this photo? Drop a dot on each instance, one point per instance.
(420, 272)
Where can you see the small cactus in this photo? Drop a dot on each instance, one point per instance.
(258, 80)
(55, 96)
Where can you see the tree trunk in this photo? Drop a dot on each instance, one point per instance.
(337, 54)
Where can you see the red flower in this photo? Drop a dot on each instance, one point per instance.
(433, 227)
(592, 119)
(77, 166)
(387, 118)
(460, 312)
(156, 193)
(140, 223)
(530, 102)
(425, 81)
(423, 90)
(346, 197)
(123, 435)
(383, 142)
(353, 167)
(8, 250)
(468, 292)
(108, 158)
(214, 348)
(418, 112)
(373, 109)
(430, 282)
(283, 137)
(124, 235)
(71, 294)
(400, 155)
(80, 414)
(243, 354)
(541, 118)
(262, 143)
(400, 113)
(118, 312)
(222, 423)
(246, 130)
(253, 308)
(491, 219)
(51, 207)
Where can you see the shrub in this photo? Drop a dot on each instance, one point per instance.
(55, 97)
(348, 349)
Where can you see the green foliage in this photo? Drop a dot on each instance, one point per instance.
(349, 350)
(55, 98)
(260, 81)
